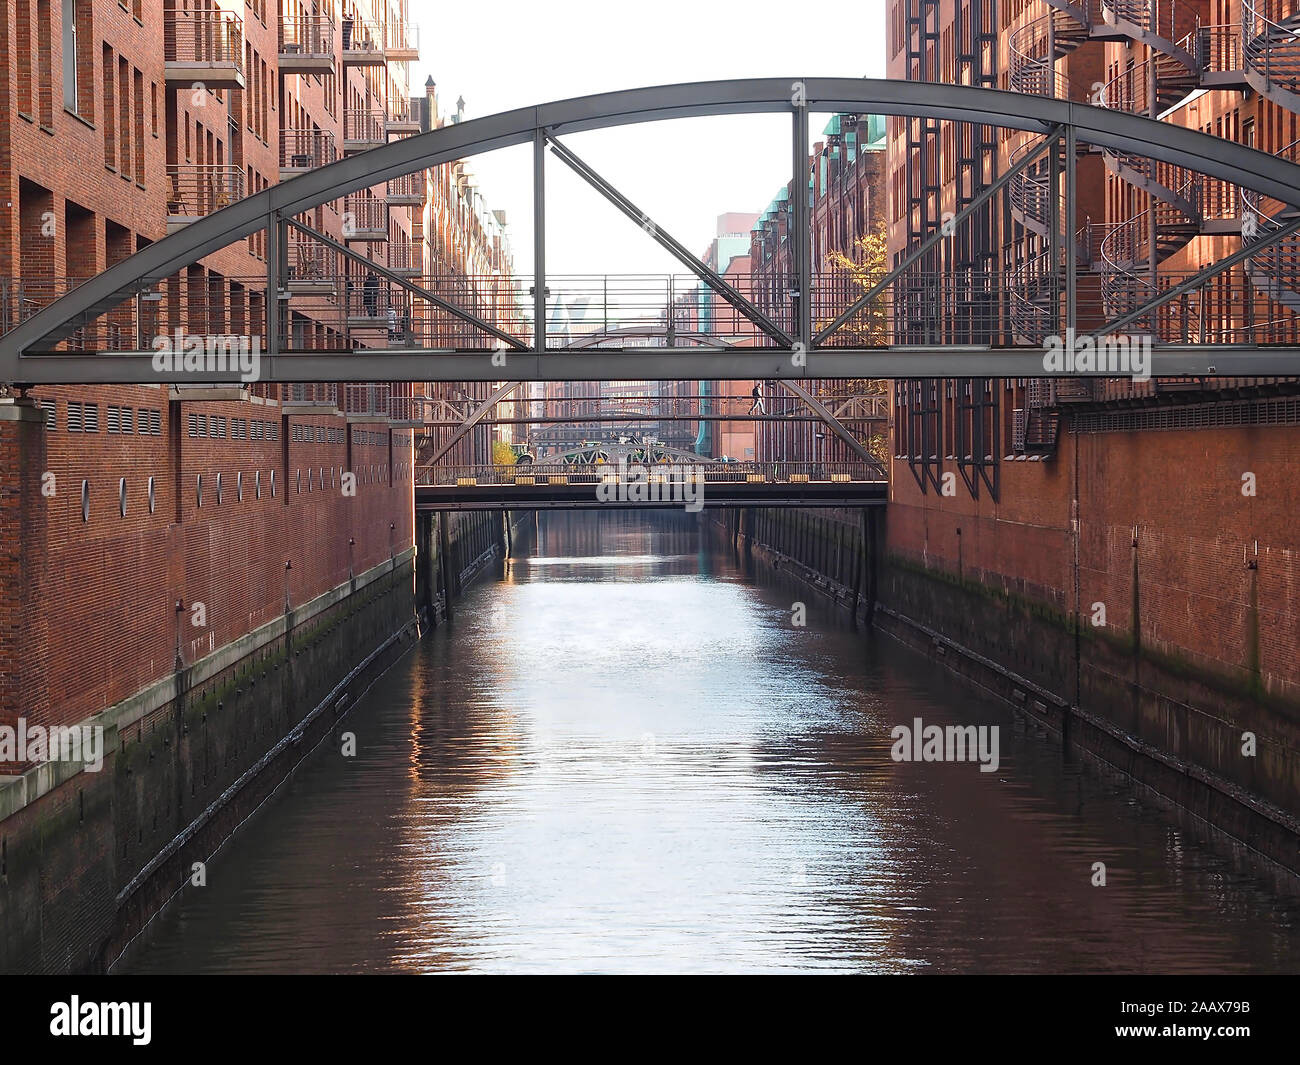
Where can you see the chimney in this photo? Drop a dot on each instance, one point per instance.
(429, 112)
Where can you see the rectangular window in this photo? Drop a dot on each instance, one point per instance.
(114, 420)
(51, 414)
(70, 54)
(128, 420)
(24, 36)
(109, 99)
(74, 417)
(124, 115)
(138, 127)
(92, 418)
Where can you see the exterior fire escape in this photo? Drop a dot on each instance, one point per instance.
(917, 300)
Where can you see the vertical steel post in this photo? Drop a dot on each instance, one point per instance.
(1071, 223)
(274, 235)
(1054, 229)
(539, 240)
(801, 245)
(1153, 219)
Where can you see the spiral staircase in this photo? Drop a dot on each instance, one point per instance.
(1274, 271)
(1270, 49)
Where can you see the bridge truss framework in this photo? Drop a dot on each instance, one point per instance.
(29, 353)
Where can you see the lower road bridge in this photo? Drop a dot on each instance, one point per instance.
(623, 485)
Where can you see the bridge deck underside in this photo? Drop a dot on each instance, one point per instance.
(710, 496)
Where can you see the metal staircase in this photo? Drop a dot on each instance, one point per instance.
(1275, 270)
(1270, 49)
(1034, 48)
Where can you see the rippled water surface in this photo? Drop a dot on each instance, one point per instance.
(622, 757)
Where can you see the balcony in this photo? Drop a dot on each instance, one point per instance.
(400, 119)
(305, 149)
(313, 268)
(372, 304)
(365, 218)
(406, 258)
(363, 129)
(197, 190)
(205, 48)
(363, 46)
(403, 44)
(306, 44)
(407, 190)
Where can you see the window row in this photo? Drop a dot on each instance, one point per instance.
(219, 427)
(152, 492)
(219, 488)
(320, 477)
(84, 418)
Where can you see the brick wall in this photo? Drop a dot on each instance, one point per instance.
(113, 580)
(1214, 573)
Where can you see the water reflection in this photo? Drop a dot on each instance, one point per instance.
(620, 756)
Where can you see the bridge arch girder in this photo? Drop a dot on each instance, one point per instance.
(1135, 134)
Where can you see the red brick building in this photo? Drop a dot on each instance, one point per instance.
(153, 524)
(846, 189)
(1130, 545)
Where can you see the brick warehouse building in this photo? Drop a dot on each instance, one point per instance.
(1164, 507)
(159, 542)
(846, 190)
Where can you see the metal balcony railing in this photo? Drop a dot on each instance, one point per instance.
(363, 44)
(312, 265)
(198, 189)
(307, 149)
(365, 218)
(400, 119)
(364, 128)
(306, 44)
(406, 257)
(205, 47)
(403, 42)
(368, 399)
(407, 190)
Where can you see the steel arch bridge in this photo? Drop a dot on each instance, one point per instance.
(808, 344)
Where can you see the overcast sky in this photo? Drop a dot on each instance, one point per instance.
(503, 54)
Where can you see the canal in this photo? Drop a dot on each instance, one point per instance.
(622, 756)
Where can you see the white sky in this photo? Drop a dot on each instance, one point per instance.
(503, 54)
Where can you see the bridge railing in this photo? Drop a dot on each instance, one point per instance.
(919, 308)
(532, 474)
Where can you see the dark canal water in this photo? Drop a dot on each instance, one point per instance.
(622, 757)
